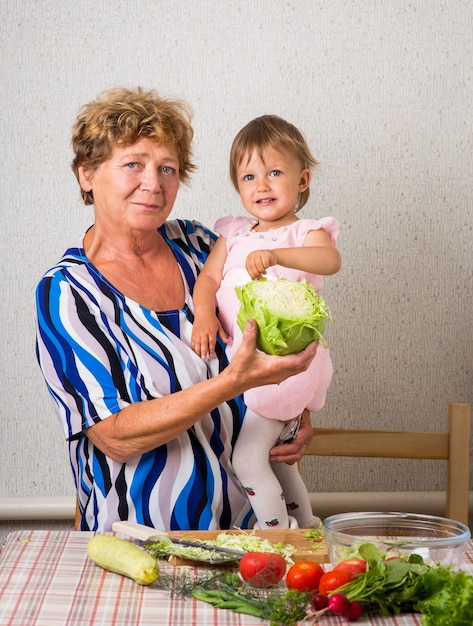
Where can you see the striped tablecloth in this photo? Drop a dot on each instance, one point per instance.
(46, 579)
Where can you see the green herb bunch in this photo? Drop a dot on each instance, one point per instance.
(226, 590)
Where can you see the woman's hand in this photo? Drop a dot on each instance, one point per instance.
(252, 368)
(143, 426)
(293, 452)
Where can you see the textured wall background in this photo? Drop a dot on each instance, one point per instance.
(383, 91)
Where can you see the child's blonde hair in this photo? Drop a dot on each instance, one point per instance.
(273, 131)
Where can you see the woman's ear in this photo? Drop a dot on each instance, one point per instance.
(85, 178)
(304, 180)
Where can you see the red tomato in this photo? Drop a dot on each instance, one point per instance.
(354, 566)
(262, 569)
(333, 580)
(304, 576)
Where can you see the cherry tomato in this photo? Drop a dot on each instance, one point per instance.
(333, 580)
(304, 576)
(262, 569)
(354, 566)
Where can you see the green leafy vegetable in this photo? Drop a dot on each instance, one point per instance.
(289, 315)
(453, 604)
(395, 585)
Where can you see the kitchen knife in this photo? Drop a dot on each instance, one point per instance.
(148, 535)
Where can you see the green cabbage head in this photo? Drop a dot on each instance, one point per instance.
(289, 314)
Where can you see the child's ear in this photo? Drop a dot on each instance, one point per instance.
(304, 180)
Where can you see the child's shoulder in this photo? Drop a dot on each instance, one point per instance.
(329, 224)
(231, 225)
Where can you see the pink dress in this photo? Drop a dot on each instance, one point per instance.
(309, 389)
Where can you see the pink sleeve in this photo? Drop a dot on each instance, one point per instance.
(227, 226)
(329, 224)
(222, 226)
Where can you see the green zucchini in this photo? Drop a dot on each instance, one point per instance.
(123, 557)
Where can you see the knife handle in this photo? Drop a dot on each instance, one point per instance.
(138, 531)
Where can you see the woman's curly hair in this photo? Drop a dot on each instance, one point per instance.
(123, 116)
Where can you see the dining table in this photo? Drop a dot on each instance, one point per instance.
(47, 579)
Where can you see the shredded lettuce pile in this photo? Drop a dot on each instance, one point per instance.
(245, 541)
(289, 314)
(249, 542)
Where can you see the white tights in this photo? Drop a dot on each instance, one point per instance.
(276, 491)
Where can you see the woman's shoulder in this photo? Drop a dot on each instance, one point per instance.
(190, 240)
(73, 257)
(183, 229)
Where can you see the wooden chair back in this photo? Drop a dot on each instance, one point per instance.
(452, 446)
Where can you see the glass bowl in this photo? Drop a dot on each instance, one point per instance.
(436, 539)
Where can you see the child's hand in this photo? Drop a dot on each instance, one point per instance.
(258, 261)
(204, 336)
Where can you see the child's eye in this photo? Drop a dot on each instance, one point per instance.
(275, 173)
(248, 177)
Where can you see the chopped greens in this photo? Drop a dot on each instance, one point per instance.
(166, 549)
(247, 542)
(314, 533)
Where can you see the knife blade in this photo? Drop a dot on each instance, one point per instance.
(148, 535)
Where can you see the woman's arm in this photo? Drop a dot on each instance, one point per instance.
(143, 426)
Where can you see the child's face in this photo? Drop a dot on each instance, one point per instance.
(269, 186)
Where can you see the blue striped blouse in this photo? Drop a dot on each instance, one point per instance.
(99, 351)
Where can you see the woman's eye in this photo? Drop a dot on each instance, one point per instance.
(132, 166)
(166, 169)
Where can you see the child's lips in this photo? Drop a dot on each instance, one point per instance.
(265, 201)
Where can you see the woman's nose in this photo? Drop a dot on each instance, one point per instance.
(151, 180)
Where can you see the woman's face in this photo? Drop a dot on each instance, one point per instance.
(136, 187)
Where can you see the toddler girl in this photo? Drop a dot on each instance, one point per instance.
(270, 167)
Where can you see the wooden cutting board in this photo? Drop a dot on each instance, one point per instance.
(306, 549)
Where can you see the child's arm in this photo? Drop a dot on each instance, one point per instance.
(206, 325)
(317, 256)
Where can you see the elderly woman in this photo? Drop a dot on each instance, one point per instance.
(150, 426)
